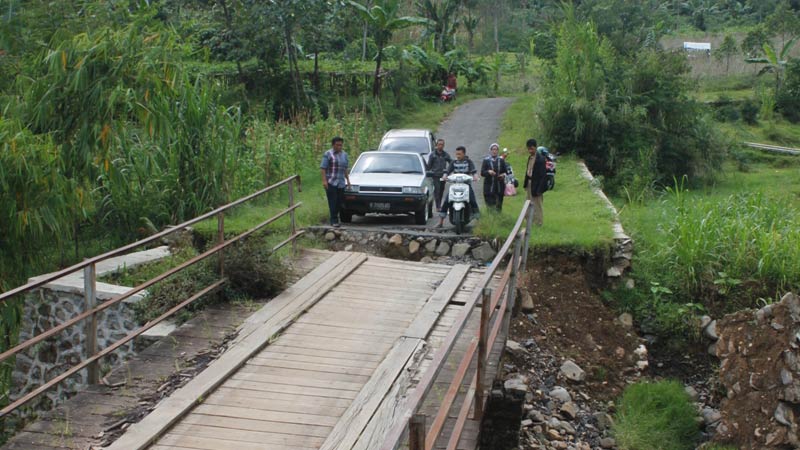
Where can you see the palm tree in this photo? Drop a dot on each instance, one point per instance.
(775, 63)
(471, 25)
(442, 21)
(384, 19)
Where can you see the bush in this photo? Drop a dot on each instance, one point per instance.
(656, 416)
(251, 268)
(749, 111)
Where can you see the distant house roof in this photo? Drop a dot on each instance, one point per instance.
(701, 46)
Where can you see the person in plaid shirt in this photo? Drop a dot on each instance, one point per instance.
(335, 170)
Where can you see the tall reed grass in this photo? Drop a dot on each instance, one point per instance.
(746, 244)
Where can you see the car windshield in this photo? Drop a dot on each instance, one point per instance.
(388, 163)
(406, 144)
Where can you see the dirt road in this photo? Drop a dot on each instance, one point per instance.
(474, 125)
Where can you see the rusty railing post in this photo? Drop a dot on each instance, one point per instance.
(483, 335)
(416, 432)
(515, 266)
(291, 216)
(527, 238)
(90, 297)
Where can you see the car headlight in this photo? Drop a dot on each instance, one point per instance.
(413, 190)
(353, 188)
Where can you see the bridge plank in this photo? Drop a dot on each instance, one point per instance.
(267, 356)
(252, 373)
(258, 414)
(438, 302)
(231, 434)
(292, 389)
(254, 334)
(311, 366)
(302, 375)
(235, 393)
(256, 425)
(206, 443)
(349, 356)
(292, 406)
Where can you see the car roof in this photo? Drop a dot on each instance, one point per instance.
(408, 132)
(388, 152)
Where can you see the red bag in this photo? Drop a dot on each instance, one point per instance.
(510, 190)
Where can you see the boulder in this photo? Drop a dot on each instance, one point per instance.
(460, 250)
(443, 249)
(604, 420)
(430, 247)
(413, 247)
(626, 320)
(560, 394)
(396, 240)
(426, 259)
(710, 330)
(329, 236)
(711, 416)
(515, 348)
(483, 252)
(691, 392)
(569, 410)
(572, 371)
(526, 301)
(608, 443)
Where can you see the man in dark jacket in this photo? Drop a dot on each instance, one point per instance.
(438, 161)
(462, 164)
(493, 171)
(535, 181)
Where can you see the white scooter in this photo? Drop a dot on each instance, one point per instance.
(458, 196)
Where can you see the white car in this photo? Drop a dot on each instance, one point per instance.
(390, 183)
(409, 140)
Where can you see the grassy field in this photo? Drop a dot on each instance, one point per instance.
(573, 216)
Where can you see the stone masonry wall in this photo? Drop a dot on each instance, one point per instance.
(46, 308)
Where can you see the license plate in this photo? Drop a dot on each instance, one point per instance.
(379, 206)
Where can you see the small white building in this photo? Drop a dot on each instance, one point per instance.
(693, 47)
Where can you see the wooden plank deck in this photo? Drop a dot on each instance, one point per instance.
(325, 364)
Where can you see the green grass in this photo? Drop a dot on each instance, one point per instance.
(774, 132)
(655, 416)
(713, 248)
(735, 95)
(134, 276)
(574, 217)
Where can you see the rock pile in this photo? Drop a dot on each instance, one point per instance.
(558, 412)
(760, 372)
(413, 246)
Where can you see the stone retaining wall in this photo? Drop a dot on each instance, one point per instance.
(409, 245)
(59, 301)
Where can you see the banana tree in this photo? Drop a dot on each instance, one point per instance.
(384, 18)
(775, 62)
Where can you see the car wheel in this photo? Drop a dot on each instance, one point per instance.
(346, 216)
(458, 221)
(421, 215)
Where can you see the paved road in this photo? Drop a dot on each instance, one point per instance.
(475, 125)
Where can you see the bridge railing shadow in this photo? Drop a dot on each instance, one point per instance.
(494, 313)
(91, 310)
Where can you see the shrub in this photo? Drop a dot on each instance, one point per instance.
(656, 416)
(253, 269)
(749, 111)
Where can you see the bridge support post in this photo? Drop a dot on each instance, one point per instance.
(528, 225)
(90, 296)
(416, 432)
(515, 266)
(483, 336)
(291, 216)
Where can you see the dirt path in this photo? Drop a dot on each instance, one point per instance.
(475, 125)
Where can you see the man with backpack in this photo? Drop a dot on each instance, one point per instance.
(535, 183)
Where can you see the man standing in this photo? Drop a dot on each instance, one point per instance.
(535, 181)
(335, 176)
(438, 161)
(493, 171)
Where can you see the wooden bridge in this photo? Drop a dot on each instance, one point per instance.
(363, 352)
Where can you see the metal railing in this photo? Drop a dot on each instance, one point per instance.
(92, 309)
(495, 307)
